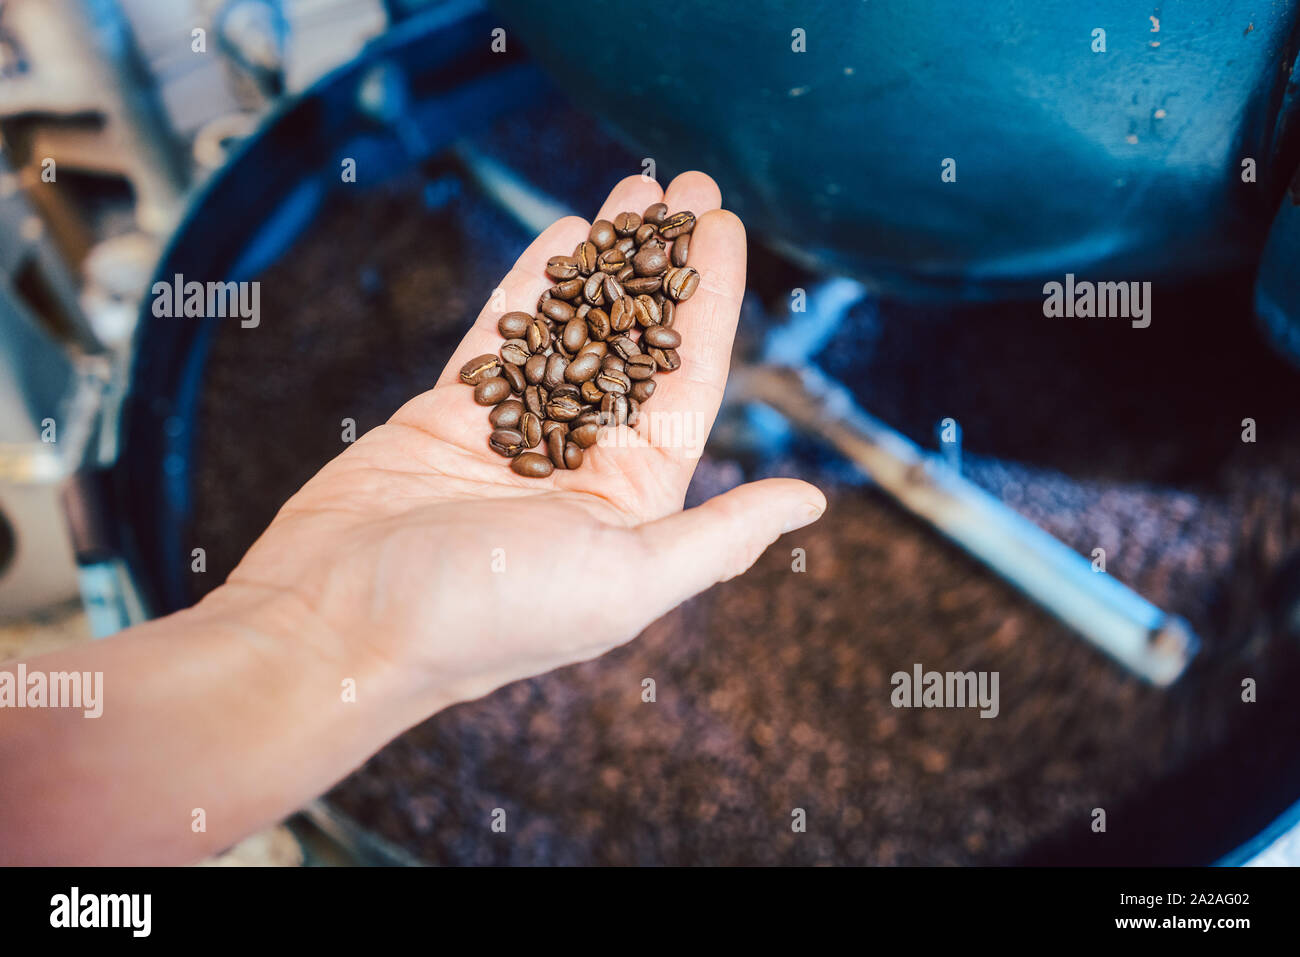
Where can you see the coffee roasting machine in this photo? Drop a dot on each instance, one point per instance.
(1137, 166)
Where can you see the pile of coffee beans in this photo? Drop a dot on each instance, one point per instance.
(587, 358)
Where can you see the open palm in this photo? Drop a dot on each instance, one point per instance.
(420, 547)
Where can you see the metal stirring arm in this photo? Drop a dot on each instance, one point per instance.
(1152, 644)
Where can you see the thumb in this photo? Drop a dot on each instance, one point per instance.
(716, 541)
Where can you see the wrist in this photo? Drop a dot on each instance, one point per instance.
(308, 648)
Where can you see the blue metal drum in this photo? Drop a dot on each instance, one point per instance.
(1104, 139)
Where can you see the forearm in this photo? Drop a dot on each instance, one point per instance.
(219, 715)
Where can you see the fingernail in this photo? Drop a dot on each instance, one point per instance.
(805, 514)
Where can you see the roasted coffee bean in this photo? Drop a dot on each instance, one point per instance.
(585, 255)
(598, 325)
(535, 368)
(535, 400)
(611, 381)
(647, 232)
(491, 391)
(530, 427)
(561, 268)
(514, 375)
(568, 290)
(516, 351)
(624, 347)
(643, 285)
(624, 274)
(564, 408)
(626, 224)
(538, 336)
(557, 310)
(584, 436)
(590, 392)
(513, 325)
(557, 345)
(507, 442)
(614, 364)
(555, 366)
(572, 455)
(667, 313)
(680, 284)
(602, 234)
(582, 368)
(641, 367)
(594, 348)
(593, 292)
(677, 224)
(666, 359)
(642, 390)
(622, 314)
(575, 335)
(550, 425)
(681, 250)
(646, 311)
(612, 260)
(555, 443)
(480, 368)
(583, 310)
(661, 338)
(655, 214)
(626, 245)
(590, 417)
(650, 260)
(611, 287)
(531, 465)
(565, 388)
(633, 411)
(613, 409)
(506, 415)
(548, 294)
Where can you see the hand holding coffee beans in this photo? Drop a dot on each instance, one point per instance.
(587, 359)
(416, 566)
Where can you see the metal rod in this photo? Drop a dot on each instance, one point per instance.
(1152, 644)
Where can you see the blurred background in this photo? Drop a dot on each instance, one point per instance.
(911, 174)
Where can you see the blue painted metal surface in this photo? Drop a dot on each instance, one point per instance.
(1277, 290)
(1117, 164)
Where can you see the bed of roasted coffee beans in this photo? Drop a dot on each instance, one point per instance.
(589, 355)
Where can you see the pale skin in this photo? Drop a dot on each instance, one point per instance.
(414, 567)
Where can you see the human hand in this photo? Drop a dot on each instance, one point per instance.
(420, 556)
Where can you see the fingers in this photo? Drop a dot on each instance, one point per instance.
(688, 398)
(697, 548)
(707, 321)
(632, 195)
(693, 191)
(686, 401)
